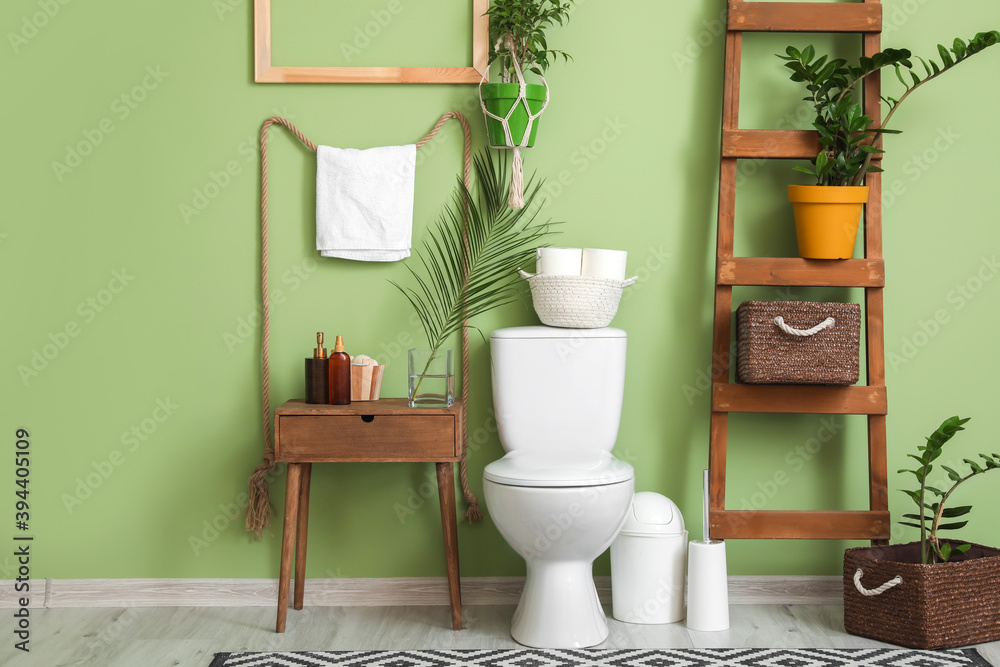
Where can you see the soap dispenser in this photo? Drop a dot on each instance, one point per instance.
(318, 374)
(340, 375)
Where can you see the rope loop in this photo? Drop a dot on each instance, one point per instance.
(779, 321)
(258, 516)
(871, 592)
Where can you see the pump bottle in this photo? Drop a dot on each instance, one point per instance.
(318, 374)
(340, 375)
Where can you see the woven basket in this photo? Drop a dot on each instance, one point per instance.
(575, 302)
(934, 606)
(822, 353)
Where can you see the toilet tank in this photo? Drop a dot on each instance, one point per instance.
(558, 388)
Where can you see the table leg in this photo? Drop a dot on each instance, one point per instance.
(292, 478)
(449, 526)
(302, 532)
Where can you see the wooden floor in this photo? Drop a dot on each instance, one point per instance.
(190, 636)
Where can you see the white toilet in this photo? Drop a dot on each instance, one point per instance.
(558, 497)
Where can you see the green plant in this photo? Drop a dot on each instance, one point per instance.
(517, 34)
(471, 258)
(931, 547)
(848, 137)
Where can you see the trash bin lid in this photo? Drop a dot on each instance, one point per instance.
(653, 514)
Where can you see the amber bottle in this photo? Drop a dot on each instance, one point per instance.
(340, 375)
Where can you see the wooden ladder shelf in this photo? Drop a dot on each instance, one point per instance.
(869, 273)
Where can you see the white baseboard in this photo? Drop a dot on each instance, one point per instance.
(401, 592)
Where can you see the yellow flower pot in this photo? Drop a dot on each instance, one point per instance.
(827, 219)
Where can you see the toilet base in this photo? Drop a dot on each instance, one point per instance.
(559, 607)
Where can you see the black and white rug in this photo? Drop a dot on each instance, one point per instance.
(682, 657)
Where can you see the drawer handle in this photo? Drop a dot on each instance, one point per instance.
(368, 419)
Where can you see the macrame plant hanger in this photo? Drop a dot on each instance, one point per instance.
(259, 506)
(516, 199)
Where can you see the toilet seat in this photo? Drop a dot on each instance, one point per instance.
(555, 468)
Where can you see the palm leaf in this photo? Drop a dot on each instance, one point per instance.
(468, 264)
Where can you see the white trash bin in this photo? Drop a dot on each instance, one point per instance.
(648, 561)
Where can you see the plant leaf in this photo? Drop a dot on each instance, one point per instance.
(945, 56)
(952, 526)
(466, 275)
(953, 512)
(952, 475)
(975, 466)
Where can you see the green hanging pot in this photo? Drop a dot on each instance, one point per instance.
(499, 99)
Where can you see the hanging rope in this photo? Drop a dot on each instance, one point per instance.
(259, 505)
(516, 197)
(473, 513)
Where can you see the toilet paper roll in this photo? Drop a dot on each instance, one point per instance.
(708, 586)
(559, 261)
(600, 263)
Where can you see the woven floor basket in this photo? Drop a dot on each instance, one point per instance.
(575, 302)
(767, 355)
(935, 606)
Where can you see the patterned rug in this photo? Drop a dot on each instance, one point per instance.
(685, 657)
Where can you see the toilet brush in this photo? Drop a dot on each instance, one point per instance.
(708, 585)
(704, 507)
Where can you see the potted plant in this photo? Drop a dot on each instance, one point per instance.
(934, 593)
(826, 218)
(469, 266)
(512, 107)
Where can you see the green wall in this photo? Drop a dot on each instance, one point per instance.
(135, 268)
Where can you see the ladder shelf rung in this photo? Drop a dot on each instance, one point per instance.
(799, 399)
(804, 17)
(770, 144)
(799, 525)
(794, 271)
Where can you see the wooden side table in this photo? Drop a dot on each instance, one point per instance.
(383, 431)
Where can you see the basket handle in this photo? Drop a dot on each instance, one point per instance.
(525, 274)
(895, 581)
(792, 331)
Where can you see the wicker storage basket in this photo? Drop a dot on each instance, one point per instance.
(816, 351)
(575, 302)
(934, 606)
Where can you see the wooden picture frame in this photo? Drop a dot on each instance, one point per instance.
(265, 72)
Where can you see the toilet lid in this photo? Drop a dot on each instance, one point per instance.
(558, 468)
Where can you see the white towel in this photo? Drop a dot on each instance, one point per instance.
(364, 202)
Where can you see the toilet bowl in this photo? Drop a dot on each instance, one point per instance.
(558, 497)
(559, 531)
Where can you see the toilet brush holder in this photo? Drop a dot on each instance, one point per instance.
(708, 586)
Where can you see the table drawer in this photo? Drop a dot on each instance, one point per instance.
(365, 438)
